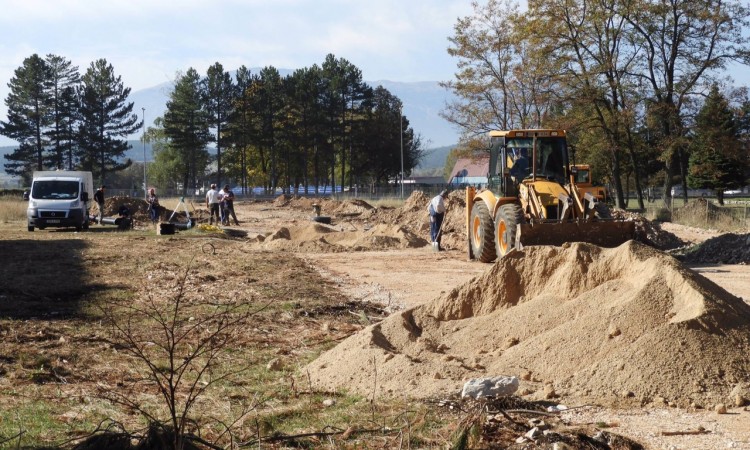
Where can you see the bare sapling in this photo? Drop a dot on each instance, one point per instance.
(181, 347)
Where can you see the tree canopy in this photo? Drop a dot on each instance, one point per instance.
(63, 120)
(319, 127)
(626, 79)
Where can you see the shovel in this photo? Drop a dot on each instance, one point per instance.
(436, 244)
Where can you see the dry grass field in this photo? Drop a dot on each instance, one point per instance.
(106, 333)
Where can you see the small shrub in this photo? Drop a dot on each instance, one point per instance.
(660, 215)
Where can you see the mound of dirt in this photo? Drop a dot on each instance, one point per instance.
(728, 248)
(137, 206)
(413, 215)
(351, 208)
(698, 207)
(648, 232)
(336, 238)
(582, 321)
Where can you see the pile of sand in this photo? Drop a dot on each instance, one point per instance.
(413, 215)
(338, 238)
(139, 211)
(698, 207)
(594, 323)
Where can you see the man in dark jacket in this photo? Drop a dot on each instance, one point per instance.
(228, 200)
(99, 199)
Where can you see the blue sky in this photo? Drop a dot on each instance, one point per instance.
(149, 41)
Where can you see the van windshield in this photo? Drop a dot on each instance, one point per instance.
(55, 190)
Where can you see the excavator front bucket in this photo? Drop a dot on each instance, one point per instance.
(601, 233)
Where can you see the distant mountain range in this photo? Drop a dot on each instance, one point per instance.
(423, 101)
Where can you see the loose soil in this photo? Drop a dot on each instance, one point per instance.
(630, 328)
(599, 325)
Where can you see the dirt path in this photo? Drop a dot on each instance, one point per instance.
(398, 277)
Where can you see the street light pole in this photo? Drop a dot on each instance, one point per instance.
(401, 119)
(145, 186)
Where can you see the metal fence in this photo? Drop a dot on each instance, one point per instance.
(733, 216)
(378, 193)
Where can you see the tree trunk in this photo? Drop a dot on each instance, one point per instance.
(638, 188)
(683, 174)
(616, 180)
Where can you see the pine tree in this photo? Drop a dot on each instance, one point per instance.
(29, 108)
(239, 129)
(218, 91)
(63, 83)
(106, 120)
(186, 126)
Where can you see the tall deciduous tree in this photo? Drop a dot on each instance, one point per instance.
(589, 39)
(29, 107)
(500, 84)
(717, 157)
(106, 120)
(186, 126)
(683, 42)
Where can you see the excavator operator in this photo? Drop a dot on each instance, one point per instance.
(520, 168)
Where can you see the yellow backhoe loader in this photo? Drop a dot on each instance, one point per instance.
(582, 178)
(531, 199)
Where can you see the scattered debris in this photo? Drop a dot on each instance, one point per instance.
(727, 248)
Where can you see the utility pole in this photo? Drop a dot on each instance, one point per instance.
(401, 119)
(145, 186)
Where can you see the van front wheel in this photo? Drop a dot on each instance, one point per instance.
(31, 228)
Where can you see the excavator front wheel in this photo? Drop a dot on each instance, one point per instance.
(507, 219)
(481, 233)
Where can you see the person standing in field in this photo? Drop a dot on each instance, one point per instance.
(212, 203)
(99, 199)
(228, 200)
(154, 208)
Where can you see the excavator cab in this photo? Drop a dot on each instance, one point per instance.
(531, 199)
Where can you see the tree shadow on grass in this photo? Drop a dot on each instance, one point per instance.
(43, 279)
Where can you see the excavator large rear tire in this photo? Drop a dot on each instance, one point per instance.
(507, 219)
(481, 233)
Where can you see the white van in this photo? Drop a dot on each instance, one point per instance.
(59, 199)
